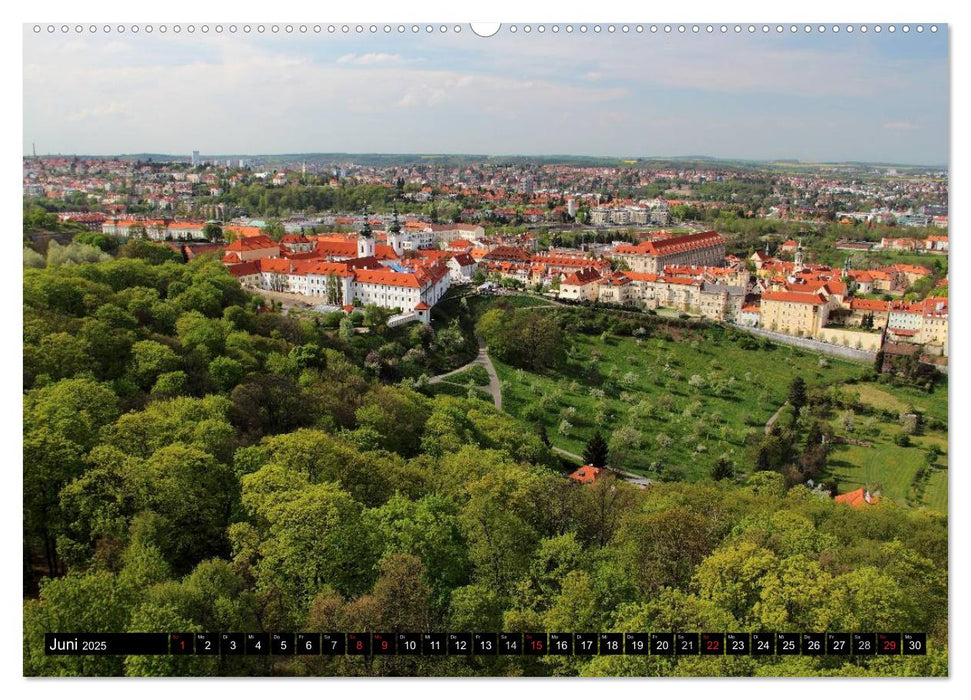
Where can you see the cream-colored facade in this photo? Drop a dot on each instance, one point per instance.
(933, 331)
(586, 291)
(615, 290)
(794, 313)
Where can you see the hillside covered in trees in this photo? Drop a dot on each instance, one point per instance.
(196, 462)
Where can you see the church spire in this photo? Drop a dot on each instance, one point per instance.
(395, 226)
(366, 228)
(394, 234)
(365, 241)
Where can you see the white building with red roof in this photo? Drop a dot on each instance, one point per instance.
(580, 285)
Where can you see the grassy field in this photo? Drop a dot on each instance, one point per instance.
(476, 374)
(935, 495)
(457, 390)
(692, 394)
(904, 399)
(889, 467)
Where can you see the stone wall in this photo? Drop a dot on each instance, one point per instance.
(860, 340)
(813, 345)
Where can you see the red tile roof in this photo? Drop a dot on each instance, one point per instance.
(583, 276)
(676, 244)
(244, 269)
(243, 231)
(507, 252)
(295, 238)
(586, 474)
(869, 305)
(861, 498)
(795, 298)
(252, 243)
(642, 276)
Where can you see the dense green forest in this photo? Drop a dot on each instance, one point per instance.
(195, 461)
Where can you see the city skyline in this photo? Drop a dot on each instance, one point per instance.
(758, 97)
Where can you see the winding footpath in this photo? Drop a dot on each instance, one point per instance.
(482, 359)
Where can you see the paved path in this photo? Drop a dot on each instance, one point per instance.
(482, 359)
(626, 476)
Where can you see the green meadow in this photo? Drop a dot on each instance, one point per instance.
(690, 395)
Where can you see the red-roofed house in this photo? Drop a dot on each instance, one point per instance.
(861, 498)
(248, 273)
(461, 266)
(586, 474)
(298, 243)
(581, 285)
(254, 248)
(750, 316)
(615, 288)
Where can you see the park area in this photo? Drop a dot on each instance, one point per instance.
(670, 402)
(674, 398)
(909, 470)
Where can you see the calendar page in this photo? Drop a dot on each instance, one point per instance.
(450, 349)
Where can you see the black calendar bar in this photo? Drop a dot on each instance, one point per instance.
(105, 644)
(488, 643)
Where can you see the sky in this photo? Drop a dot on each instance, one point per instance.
(831, 97)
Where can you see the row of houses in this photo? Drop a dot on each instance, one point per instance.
(155, 229)
(933, 244)
(819, 304)
(688, 294)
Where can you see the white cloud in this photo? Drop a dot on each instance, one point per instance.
(370, 59)
(573, 94)
(98, 111)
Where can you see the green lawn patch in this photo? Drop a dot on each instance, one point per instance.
(457, 390)
(891, 468)
(476, 374)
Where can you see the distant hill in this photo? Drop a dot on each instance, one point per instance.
(389, 159)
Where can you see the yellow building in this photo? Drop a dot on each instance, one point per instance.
(795, 313)
(933, 329)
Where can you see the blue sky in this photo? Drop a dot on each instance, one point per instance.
(873, 97)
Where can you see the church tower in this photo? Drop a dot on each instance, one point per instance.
(394, 234)
(798, 259)
(846, 269)
(365, 241)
